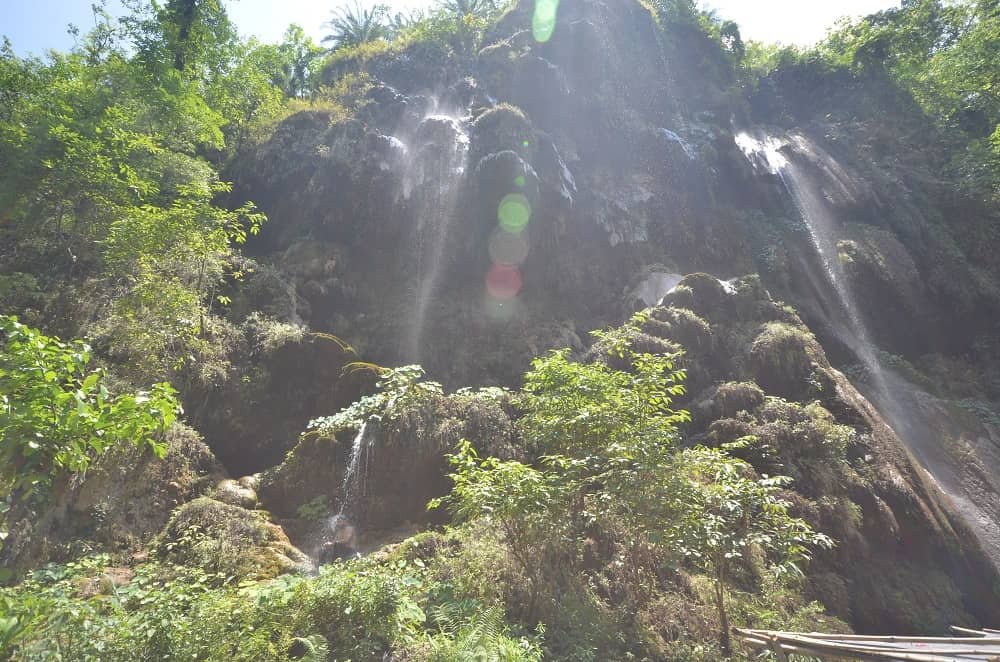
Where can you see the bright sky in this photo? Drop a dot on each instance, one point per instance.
(802, 22)
(36, 25)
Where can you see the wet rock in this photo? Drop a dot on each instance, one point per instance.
(233, 493)
(854, 477)
(280, 378)
(504, 128)
(403, 470)
(385, 107)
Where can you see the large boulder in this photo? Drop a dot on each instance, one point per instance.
(402, 466)
(277, 377)
(226, 539)
(120, 504)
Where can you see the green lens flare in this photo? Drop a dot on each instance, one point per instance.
(514, 213)
(543, 23)
(520, 181)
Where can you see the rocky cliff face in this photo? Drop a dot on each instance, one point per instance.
(477, 212)
(474, 215)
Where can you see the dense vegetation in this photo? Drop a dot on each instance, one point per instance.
(605, 532)
(609, 473)
(942, 55)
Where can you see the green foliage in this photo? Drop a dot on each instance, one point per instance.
(57, 414)
(462, 8)
(457, 27)
(194, 37)
(450, 35)
(356, 25)
(467, 631)
(252, 95)
(609, 468)
(105, 178)
(314, 509)
(351, 611)
(606, 442)
(525, 503)
(727, 512)
(291, 65)
(396, 387)
(944, 54)
(724, 513)
(180, 251)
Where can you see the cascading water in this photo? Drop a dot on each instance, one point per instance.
(433, 177)
(897, 400)
(342, 527)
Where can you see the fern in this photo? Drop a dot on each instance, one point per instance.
(469, 631)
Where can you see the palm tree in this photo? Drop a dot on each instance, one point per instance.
(400, 21)
(466, 7)
(353, 25)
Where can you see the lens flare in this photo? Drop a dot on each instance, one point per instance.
(508, 248)
(503, 281)
(543, 22)
(514, 213)
(520, 181)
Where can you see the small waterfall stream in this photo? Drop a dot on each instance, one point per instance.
(896, 399)
(343, 526)
(433, 178)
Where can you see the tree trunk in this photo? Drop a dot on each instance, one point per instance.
(720, 604)
(185, 15)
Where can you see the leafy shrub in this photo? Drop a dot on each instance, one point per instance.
(356, 610)
(57, 415)
(469, 631)
(725, 514)
(314, 509)
(397, 387)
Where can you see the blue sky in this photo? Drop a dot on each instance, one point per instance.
(36, 25)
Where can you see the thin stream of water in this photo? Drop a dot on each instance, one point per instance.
(342, 528)
(434, 173)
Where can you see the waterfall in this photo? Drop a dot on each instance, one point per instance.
(672, 136)
(353, 478)
(342, 528)
(897, 400)
(433, 179)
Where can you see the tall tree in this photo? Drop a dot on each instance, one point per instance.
(354, 25)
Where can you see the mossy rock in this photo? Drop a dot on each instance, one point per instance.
(731, 398)
(120, 504)
(504, 127)
(312, 469)
(227, 539)
(685, 327)
(783, 358)
(232, 492)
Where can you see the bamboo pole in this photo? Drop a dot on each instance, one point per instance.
(968, 631)
(864, 650)
(840, 655)
(889, 638)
